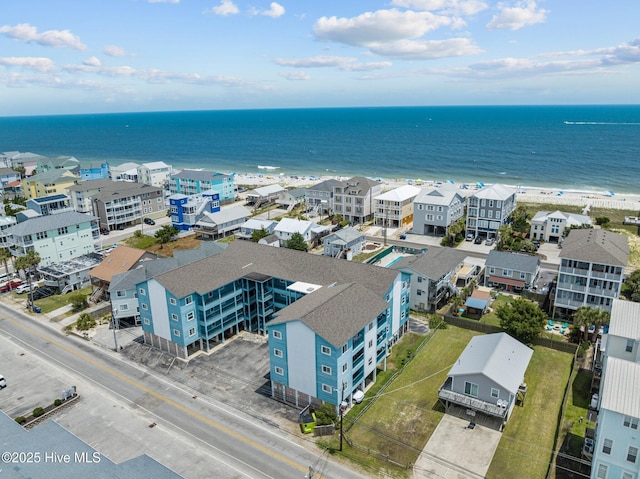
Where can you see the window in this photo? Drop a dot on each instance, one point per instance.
(277, 353)
(629, 346)
(607, 445)
(627, 475)
(190, 316)
(279, 371)
(370, 325)
(192, 332)
(188, 300)
(276, 334)
(419, 279)
(325, 350)
(345, 348)
(630, 422)
(470, 389)
(632, 454)
(327, 389)
(144, 306)
(176, 332)
(124, 307)
(120, 294)
(370, 362)
(326, 369)
(174, 316)
(495, 393)
(142, 292)
(419, 292)
(146, 321)
(371, 343)
(345, 366)
(172, 301)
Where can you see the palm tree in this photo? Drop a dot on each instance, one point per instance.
(27, 263)
(4, 256)
(586, 316)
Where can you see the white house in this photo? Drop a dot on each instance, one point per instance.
(394, 208)
(549, 226)
(253, 224)
(156, 173)
(288, 226)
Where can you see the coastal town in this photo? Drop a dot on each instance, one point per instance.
(388, 327)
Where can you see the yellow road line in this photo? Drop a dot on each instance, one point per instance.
(164, 399)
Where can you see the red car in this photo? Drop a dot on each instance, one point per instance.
(10, 285)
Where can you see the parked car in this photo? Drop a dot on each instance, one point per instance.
(470, 237)
(358, 396)
(10, 285)
(478, 240)
(3, 382)
(120, 227)
(490, 241)
(24, 288)
(149, 221)
(104, 231)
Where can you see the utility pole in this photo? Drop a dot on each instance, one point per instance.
(343, 406)
(113, 325)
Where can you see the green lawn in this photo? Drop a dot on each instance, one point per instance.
(573, 430)
(57, 300)
(402, 420)
(492, 318)
(526, 446)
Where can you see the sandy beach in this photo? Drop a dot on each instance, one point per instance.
(590, 199)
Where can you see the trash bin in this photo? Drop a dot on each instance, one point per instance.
(37, 309)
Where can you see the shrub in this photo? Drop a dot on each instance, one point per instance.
(85, 322)
(57, 402)
(37, 412)
(21, 419)
(78, 301)
(326, 414)
(602, 220)
(137, 234)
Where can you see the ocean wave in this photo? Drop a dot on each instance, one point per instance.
(599, 123)
(267, 167)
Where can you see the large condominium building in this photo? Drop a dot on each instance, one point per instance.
(251, 287)
(353, 198)
(195, 182)
(591, 270)
(394, 209)
(488, 209)
(56, 238)
(52, 182)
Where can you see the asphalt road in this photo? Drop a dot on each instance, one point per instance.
(240, 446)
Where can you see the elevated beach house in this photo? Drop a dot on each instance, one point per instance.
(549, 226)
(436, 209)
(353, 198)
(511, 271)
(394, 208)
(488, 209)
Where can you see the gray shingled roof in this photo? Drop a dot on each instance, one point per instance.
(49, 222)
(515, 261)
(361, 188)
(244, 257)
(120, 189)
(596, 246)
(335, 313)
(434, 264)
(347, 234)
(199, 175)
(53, 176)
(326, 185)
(94, 185)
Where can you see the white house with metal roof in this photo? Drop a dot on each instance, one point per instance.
(489, 208)
(222, 223)
(623, 337)
(286, 227)
(435, 209)
(394, 209)
(155, 173)
(487, 379)
(549, 226)
(344, 243)
(248, 227)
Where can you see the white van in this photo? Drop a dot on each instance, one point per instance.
(3, 382)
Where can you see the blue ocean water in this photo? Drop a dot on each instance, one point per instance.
(593, 148)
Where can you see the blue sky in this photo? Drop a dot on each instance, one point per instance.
(90, 56)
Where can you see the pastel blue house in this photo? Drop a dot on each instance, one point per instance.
(97, 170)
(330, 322)
(195, 182)
(186, 211)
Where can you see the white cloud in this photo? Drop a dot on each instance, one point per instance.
(92, 62)
(454, 7)
(51, 38)
(226, 7)
(39, 64)
(426, 49)
(377, 27)
(115, 51)
(275, 10)
(315, 62)
(365, 67)
(514, 18)
(295, 76)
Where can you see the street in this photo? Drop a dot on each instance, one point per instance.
(212, 434)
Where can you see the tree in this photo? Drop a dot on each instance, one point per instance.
(165, 233)
(631, 286)
(520, 219)
(326, 414)
(586, 316)
(257, 235)
(27, 263)
(522, 319)
(4, 256)
(78, 301)
(297, 242)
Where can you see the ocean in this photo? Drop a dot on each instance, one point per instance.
(584, 148)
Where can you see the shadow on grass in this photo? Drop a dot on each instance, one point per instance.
(581, 388)
(437, 406)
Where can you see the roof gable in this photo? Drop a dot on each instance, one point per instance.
(515, 261)
(596, 246)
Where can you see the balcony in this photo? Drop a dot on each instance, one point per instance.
(572, 286)
(607, 293)
(569, 303)
(576, 271)
(609, 276)
(472, 403)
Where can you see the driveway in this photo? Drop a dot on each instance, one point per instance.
(455, 451)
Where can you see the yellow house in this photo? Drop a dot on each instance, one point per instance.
(48, 183)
